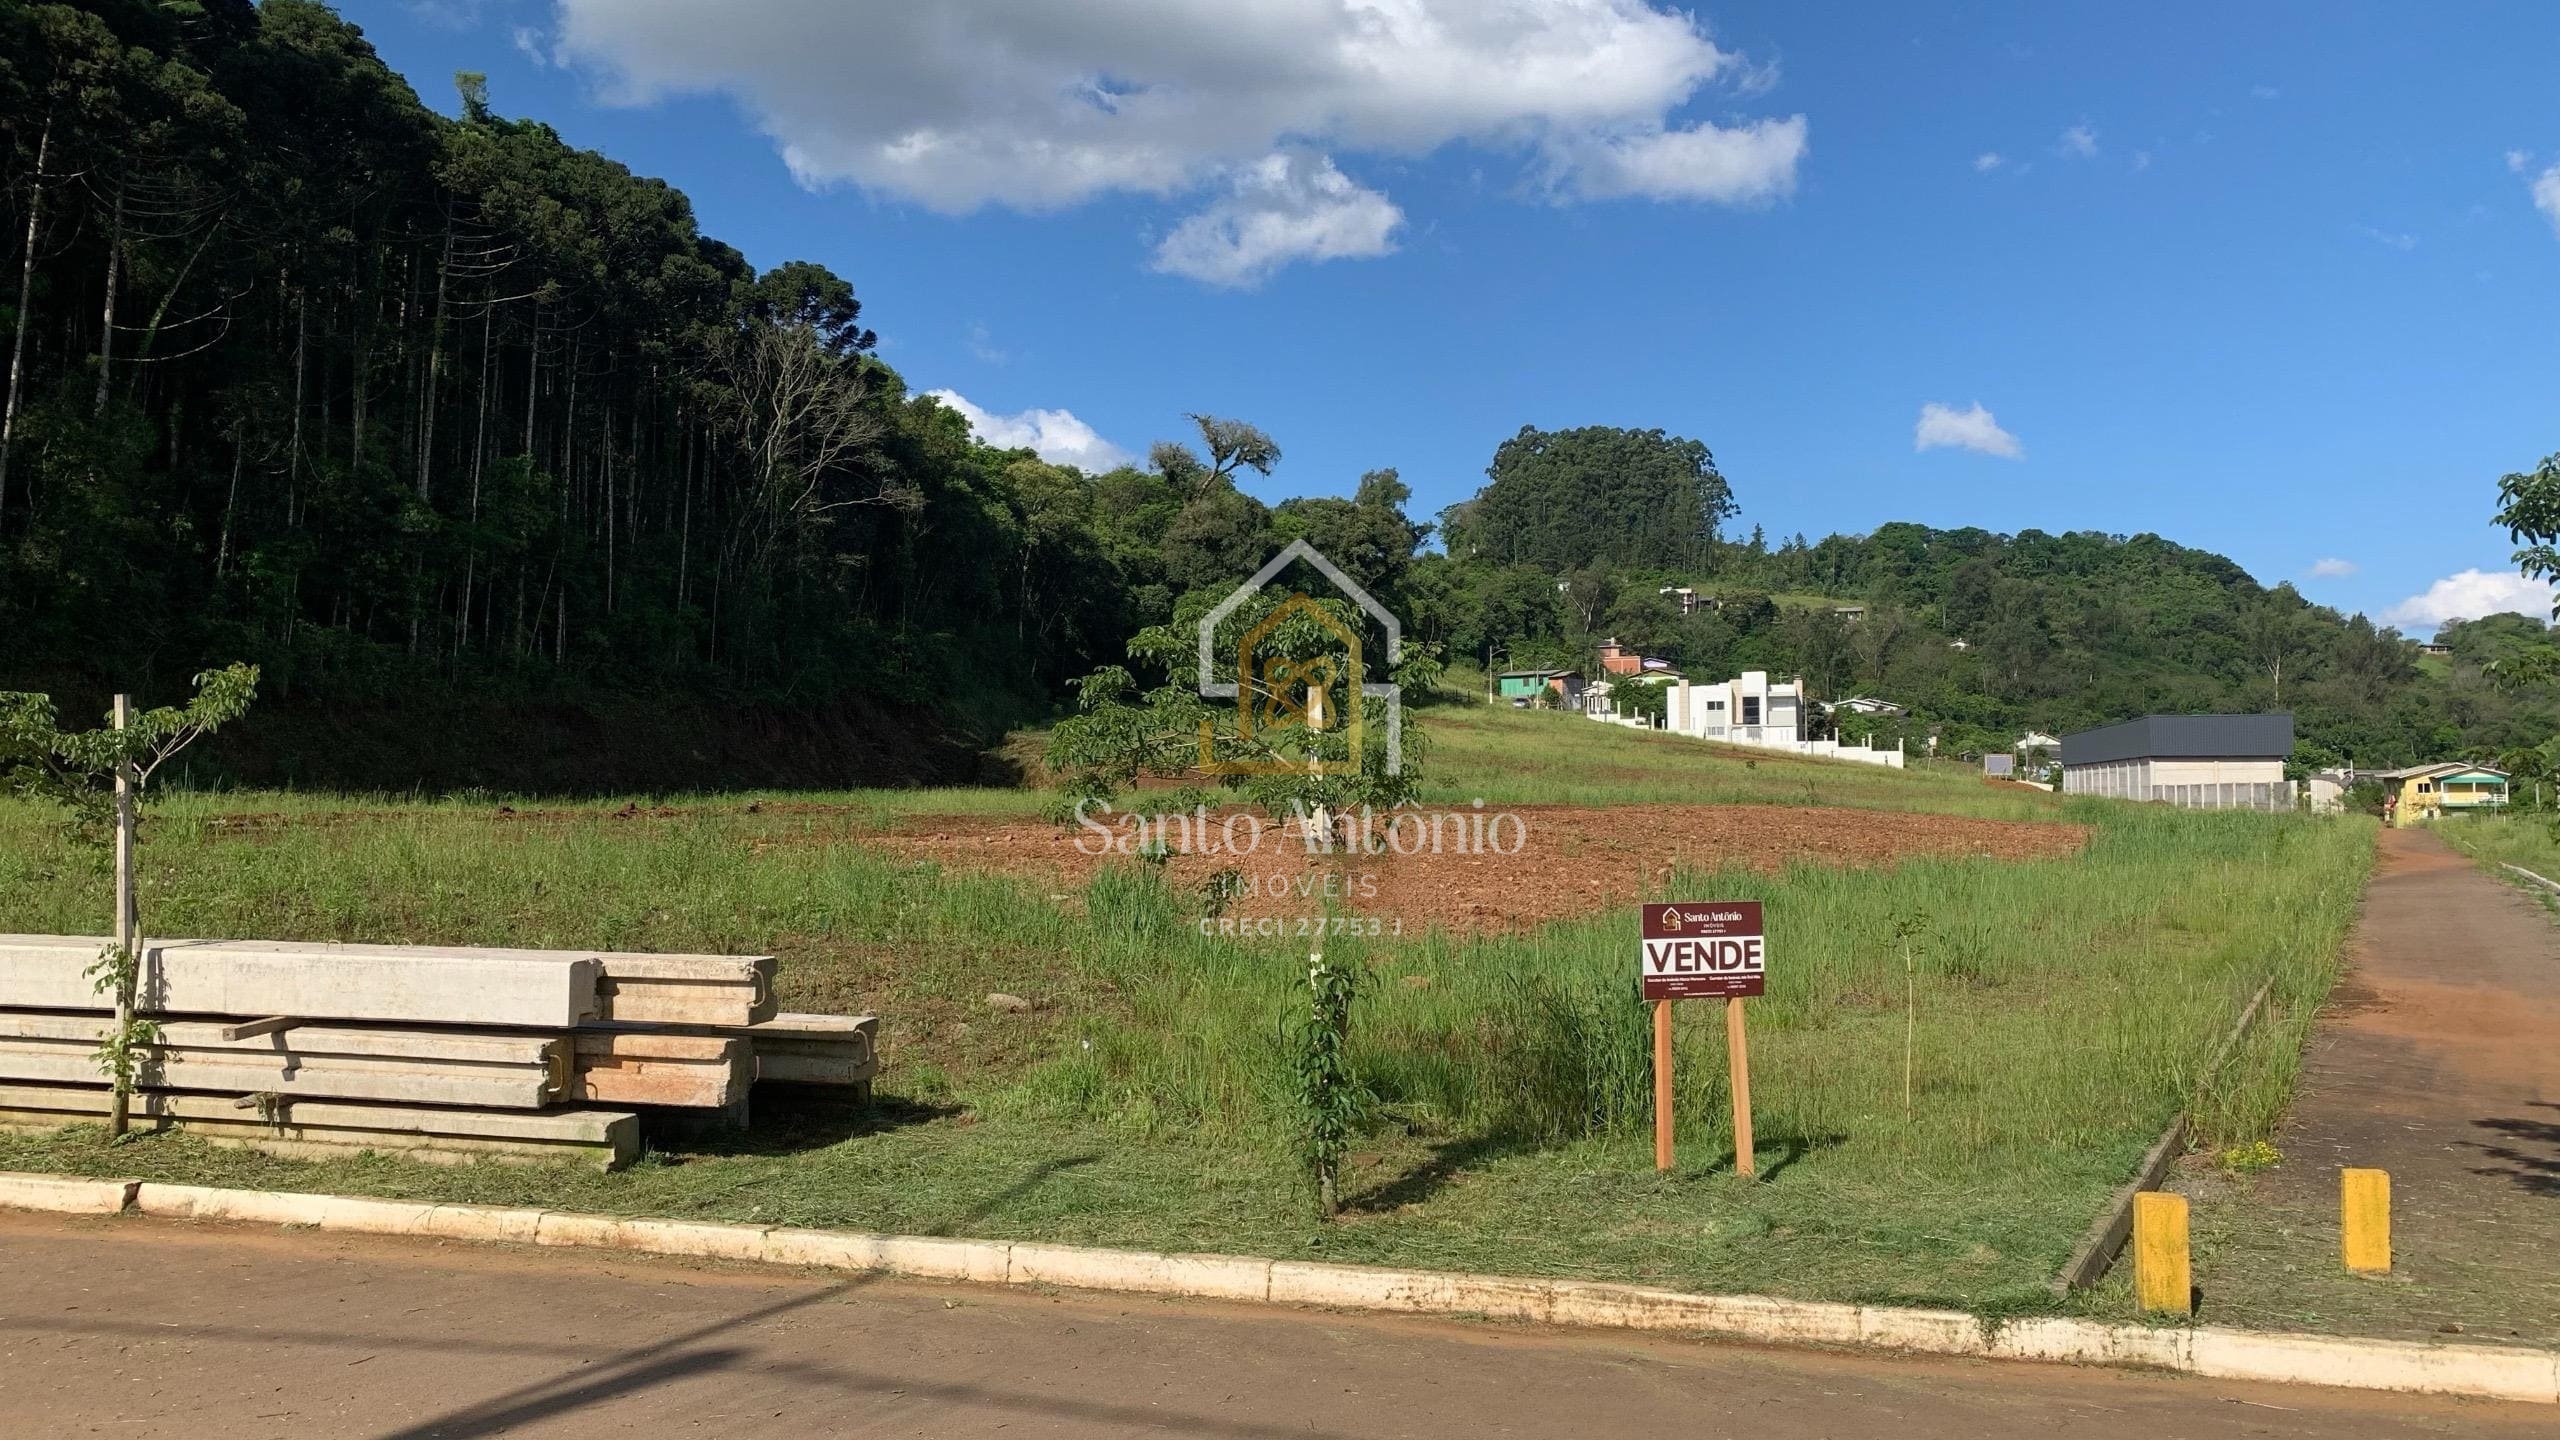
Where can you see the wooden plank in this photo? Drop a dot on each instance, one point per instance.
(255, 1028)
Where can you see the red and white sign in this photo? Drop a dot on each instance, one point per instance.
(1704, 950)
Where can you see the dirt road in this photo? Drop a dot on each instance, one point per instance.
(127, 1326)
(2438, 1060)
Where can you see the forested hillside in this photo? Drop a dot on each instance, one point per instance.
(452, 413)
(507, 474)
(2058, 632)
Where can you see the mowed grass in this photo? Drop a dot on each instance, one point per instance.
(1553, 757)
(2057, 1014)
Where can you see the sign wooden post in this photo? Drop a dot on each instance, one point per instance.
(1712, 950)
(1662, 1085)
(127, 932)
(1738, 1057)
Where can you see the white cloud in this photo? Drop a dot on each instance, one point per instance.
(2332, 569)
(1943, 427)
(1057, 436)
(2263, 92)
(2470, 595)
(2141, 159)
(529, 45)
(2397, 240)
(2546, 195)
(1988, 160)
(2517, 160)
(1739, 165)
(982, 344)
(1283, 207)
(2080, 142)
(959, 104)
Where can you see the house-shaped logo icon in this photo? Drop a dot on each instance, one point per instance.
(1274, 691)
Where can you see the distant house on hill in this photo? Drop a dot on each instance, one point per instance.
(2428, 792)
(1751, 709)
(1851, 613)
(2201, 762)
(1688, 599)
(1868, 705)
(1562, 688)
(2436, 648)
(1617, 659)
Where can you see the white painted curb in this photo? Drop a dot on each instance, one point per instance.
(60, 1196)
(2527, 1375)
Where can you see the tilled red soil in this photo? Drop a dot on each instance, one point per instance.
(1572, 860)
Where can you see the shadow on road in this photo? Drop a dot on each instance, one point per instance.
(677, 1357)
(2535, 1173)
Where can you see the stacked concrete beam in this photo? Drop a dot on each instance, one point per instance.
(433, 985)
(839, 1050)
(638, 1067)
(318, 1129)
(831, 1050)
(704, 990)
(436, 1067)
(411, 1027)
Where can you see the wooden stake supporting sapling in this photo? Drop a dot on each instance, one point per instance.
(100, 777)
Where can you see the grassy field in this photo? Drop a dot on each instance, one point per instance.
(2056, 1012)
(2529, 840)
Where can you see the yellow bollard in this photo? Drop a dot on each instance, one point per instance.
(2160, 1276)
(2364, 1220)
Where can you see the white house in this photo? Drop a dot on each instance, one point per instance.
(1751, 709)
(1868, 705)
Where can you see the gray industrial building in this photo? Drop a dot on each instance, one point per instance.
(2203, 762)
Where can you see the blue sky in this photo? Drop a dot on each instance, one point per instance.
(2271, 280)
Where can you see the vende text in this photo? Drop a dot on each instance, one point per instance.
(1741, 956)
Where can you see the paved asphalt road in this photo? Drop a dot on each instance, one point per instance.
(127, 1326)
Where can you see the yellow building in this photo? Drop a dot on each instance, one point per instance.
(2428, 792)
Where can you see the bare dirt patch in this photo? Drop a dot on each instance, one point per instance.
(1574, 859)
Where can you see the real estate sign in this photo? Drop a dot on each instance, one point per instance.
(1698, 950)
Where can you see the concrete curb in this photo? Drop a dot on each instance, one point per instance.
(2525, 1375)
(2552, 886)
(61, 1196)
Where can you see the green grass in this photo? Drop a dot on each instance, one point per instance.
(2061, 1012)
(2531, 840)
(1533, 757)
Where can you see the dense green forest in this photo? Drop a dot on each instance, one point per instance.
(507, 474)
